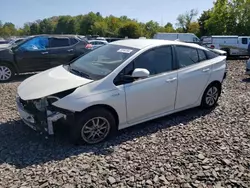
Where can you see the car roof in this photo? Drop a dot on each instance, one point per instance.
(143, 43)
(56, 35)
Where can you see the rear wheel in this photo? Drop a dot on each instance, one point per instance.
(93, 126)
(211, 96)
(6, 72)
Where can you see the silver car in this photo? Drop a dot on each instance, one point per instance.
(97, 43)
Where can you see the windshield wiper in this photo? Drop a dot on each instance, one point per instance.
(80, 73)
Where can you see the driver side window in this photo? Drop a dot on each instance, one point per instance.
(156, 61)
(35, 44)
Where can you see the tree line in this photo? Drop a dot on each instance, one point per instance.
(226, 17)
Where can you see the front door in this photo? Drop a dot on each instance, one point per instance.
(149, 97)
(33, 55)
(193, 75)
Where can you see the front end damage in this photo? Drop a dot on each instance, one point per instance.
(40, 114)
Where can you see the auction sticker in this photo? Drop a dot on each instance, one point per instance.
(127, 51)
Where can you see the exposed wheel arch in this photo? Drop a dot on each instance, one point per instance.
(107, 107)
(8, 72)
(216, 82)
(12, 64)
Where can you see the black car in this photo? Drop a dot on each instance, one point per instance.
(40, 52)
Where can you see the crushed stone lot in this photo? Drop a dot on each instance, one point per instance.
(194, 148)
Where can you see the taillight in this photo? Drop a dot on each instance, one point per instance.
(212, 46)
(89, 46)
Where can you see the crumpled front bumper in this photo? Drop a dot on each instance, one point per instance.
(39, 121)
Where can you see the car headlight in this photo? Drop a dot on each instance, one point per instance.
(41, 104)
(52, 99)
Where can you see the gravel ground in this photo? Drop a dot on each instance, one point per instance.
(190, 149)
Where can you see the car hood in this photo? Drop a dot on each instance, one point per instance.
(49, 82)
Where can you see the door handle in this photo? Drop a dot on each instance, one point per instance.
(171, 79)
(70, 50)
(44, 53)
(206, 70)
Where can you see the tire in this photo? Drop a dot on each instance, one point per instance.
(211, 96)
(84, 126)
(6, 72)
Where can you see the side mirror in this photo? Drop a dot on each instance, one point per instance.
(140, 73)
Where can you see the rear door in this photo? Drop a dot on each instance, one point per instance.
(193, 75)
(61, 50)
(33, 55)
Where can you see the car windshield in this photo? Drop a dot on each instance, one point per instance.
(15, 42)
(100, 62)
(18, 43)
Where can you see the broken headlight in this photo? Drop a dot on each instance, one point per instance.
(41, 104)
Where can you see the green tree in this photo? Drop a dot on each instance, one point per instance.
(65, 25)
(26, 29)
(46, 27)
(34, 29)
(151, 28)
(194, 27)
(100, 28)
(202, 21)
(169, 28)
(130, 30)
(184, 20)
(87, 22)
(221, 20)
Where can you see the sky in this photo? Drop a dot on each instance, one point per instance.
(162, 11)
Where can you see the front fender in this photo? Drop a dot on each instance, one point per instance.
(113, 98)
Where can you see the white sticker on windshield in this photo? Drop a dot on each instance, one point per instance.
(127, 51)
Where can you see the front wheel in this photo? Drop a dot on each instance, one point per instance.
(93, 126)
(211, 96)
(6, 72)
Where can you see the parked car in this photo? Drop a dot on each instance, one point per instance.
(97, 43)
(248, 67)
(119, 85)
(41, 52)
(2, 41)
(12, 42)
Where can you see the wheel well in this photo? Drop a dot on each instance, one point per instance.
(106, 107)
(11, 64)
(216, 82)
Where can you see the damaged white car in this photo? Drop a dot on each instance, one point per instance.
(119, 85)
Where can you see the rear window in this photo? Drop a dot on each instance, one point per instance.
(202, 55)
(59, 42)
(211, 55)
(73, 41)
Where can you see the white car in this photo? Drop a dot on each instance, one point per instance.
(121, 84)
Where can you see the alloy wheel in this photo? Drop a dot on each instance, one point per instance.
(5, 73)
(212, 96)
(95, 130)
